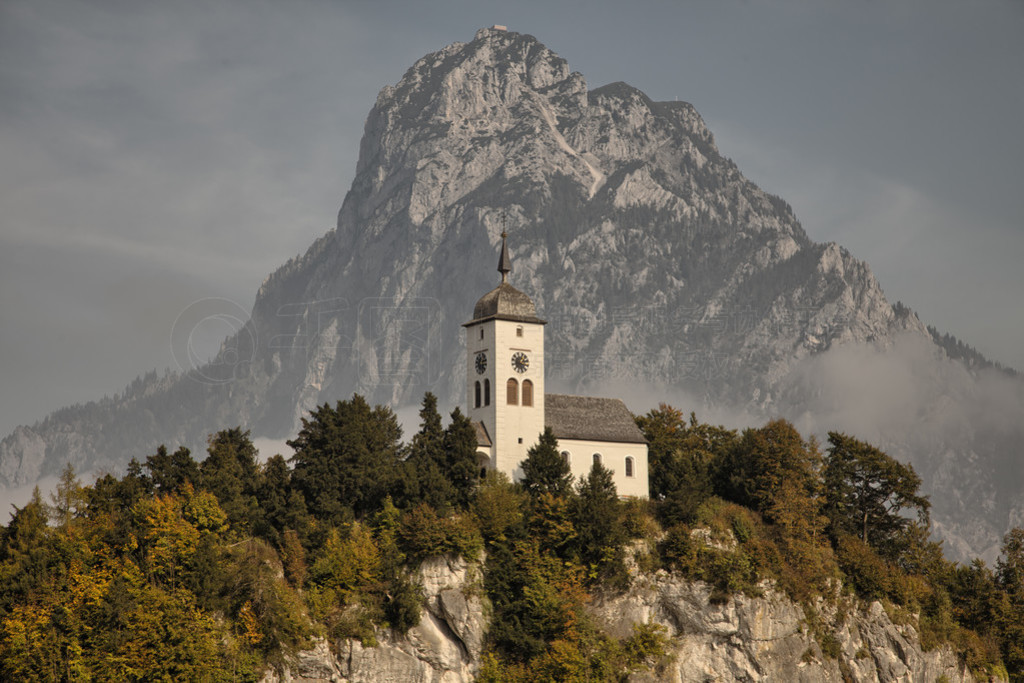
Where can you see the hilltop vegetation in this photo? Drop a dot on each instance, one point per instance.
(219, 569)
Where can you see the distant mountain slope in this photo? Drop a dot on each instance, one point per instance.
(652, 257)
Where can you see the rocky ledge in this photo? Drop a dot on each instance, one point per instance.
(444, 647)
(763, 638)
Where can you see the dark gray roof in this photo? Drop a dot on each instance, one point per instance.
(482, 437)
(591, 419)
(505, 302)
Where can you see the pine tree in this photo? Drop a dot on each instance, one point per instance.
(868, 494)
(682, 458)
(281, 506)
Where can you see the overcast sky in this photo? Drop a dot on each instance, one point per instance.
(156, 154)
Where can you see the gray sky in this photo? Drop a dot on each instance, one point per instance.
(155, 154)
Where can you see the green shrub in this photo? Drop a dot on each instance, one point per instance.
(864, 568)
(646, 647)
(830, 646)
(638, 519)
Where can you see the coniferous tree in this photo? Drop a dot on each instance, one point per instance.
(461, 463)
(868, 493)
(282, 507)
(25, 557)
(134, 484)
(427, 459)
(597, 517)
(68, 499)
(545, 470)
(170, 472)
(1009, 617)
(682, 459)
(230, 472)
(346, 459)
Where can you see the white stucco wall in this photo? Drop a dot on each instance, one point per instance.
(613, 456)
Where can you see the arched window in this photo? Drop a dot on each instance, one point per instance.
(519, 331)
(566, 457)
(527, 392)
(476, 403)
(513, 392)
(629, 465)
(487, 392)
(597, 458)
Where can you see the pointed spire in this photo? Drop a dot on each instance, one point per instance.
(504, 262)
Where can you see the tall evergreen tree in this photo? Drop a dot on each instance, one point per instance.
(597, 516)
(1010, 613)
(282, 507)
(545, 470)
(230, 472)
(169, 472)
(461, 464)
(26, 558)
(682, 459)
(427, 460)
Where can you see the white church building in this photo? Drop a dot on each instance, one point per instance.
(506, 399)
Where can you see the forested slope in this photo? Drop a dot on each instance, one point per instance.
(225, 569)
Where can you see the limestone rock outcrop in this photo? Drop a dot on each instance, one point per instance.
(767, 638)
(444, 647)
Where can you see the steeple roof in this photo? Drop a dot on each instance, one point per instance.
(504, 262)
(505, 302)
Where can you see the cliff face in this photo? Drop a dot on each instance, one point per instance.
(444, 647)
(654, 260)
(768, 638)
(746, 639)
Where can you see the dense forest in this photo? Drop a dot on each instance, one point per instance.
(219, 569)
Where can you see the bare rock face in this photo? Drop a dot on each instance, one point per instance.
(746, 639)
(768, 638)
(24, 454)
(653, 259)
(443, 648)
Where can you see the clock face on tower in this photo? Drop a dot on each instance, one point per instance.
(481, 363)
(520, 362)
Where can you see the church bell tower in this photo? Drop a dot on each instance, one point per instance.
(505, 372)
